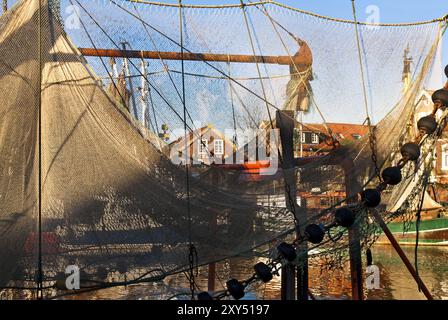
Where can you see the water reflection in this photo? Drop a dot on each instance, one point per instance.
(395, 280)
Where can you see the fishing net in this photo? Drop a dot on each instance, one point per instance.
(88, 176)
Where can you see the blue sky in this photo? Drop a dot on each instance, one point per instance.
(390, 11)
(336, 85)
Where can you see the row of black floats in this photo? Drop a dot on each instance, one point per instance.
(343, 216)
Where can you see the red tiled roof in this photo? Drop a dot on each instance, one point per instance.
(343, 131)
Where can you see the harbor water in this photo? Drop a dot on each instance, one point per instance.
(395, 281)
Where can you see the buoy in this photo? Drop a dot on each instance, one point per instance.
(314, 233)
(287, 251)
(391, 175)
(411, 151)
(235, 288)
(369, 257)
(344, 217)
(204, 296)
(263, 272)
(427, 124)
(440, 95)
(371, 197)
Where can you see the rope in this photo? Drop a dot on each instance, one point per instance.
(256, 62)
(151, 101)
(39, 293)
(301, 74)
(168, 72)
(204, 61)
(287, 187)
(361, 67)
(133, 64)
(233, 108)
(372, 137)
(417, 229)
(192, 255)
(163, 63)
(405, 24)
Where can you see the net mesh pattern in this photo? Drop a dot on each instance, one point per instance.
(110, 196)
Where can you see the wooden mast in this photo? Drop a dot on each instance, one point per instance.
(217, 57)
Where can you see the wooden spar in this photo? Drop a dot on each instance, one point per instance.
(402, 255)
(217, 57)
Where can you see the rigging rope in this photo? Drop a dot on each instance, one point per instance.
(133, 64)
(164, 64)
(192, 256)
(202, 60)
(301, 74)
(372, 138)
(39, 101)
(275, 3)
(235, 138)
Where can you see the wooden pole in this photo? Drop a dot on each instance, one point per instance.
(286, 123)
(213, 225)
(217, 57)
(351, 186)
(211, 277)
(402, 255)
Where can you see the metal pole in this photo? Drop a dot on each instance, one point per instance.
(143, 96)
(131, 87)
(402, 255)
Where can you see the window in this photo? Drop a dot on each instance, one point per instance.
(203, 145)
(356, 136)
(445, 157)
(314, 138)
(303, 138)
(219, 147)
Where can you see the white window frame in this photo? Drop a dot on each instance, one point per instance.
(218, 147)
(203, 145)
(315, 138)
(303, 137)
(444, 156)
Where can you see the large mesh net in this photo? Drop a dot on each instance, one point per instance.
(88, 177)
